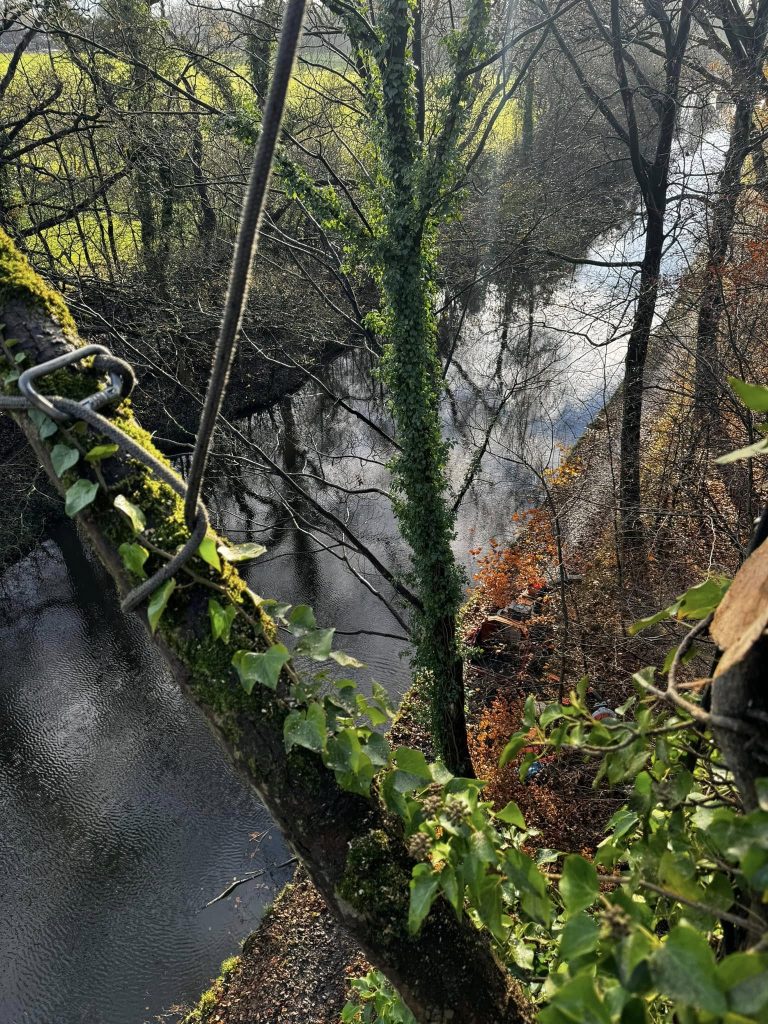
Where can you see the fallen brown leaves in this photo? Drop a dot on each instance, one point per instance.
(562, 804)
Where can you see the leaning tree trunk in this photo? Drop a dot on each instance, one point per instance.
(446, 973)
(712, 300)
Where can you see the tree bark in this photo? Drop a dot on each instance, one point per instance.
(712, 300)
(634, 381)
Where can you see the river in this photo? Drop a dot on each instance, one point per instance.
(121, 817)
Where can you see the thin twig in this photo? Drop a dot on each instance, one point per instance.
(246, 878)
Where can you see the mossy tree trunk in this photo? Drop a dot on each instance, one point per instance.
(415, 176)
(447, 972)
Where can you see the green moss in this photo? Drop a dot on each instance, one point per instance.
(228, 966)
(414, 706)
(68, 384)
(375, 882)
(210, 997)
(19, 282)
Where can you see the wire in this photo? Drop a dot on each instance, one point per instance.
(160, 470)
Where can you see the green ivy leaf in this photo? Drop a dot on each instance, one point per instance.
(240, 552)
(489, 906)
(695, 603)
(702, 599)
(101, 451)
(513, 748)
(316, 645)
(425, 884)
(158, 603)
(63, 458)
(579, 937)
(451, 889)
(577, 1000)
(44, 424)
(578, 884)
(221, 619)
(650, 620)
(370, 710)
(301, 620)
(377, 748)
(413, 762)
(263, 668)
(683, 969)
(132, 512)
(133, 557)
(208, 552)
(380, 695)
(745, 976)
(511, 815)
(550, 714)
(307, 729)
(79, 496)
(754, 396)
(352, 765)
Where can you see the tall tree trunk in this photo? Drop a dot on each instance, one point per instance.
(414, 379)
(634, 380)
(413, 376)
(712, 300)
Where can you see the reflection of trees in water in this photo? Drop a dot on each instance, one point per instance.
(325, 499)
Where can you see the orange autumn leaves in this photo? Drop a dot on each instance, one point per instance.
(507, 570)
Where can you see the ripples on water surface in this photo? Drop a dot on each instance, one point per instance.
(119, 815)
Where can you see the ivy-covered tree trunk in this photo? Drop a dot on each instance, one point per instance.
(414, 380)
(413, 374)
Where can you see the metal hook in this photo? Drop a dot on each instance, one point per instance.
(121, 377)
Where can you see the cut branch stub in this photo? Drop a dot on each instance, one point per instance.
(739, 690)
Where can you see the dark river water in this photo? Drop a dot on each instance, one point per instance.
(119, 815)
